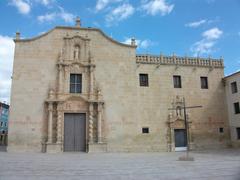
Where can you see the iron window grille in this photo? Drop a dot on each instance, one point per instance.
(143, 79)
(236, 108)
(234, 87)
(177, 82)
(204, 82)
(75, 83)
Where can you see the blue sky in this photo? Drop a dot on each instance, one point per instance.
(184, 27)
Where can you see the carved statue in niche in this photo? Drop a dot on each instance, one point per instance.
(76, 53)
(179, 111)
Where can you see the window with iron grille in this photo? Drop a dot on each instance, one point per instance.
(75, 83)
(143, 79)
(204, 82)
(177, 82)
(234, 87)
(238, 132)
(236, 108)
(145, 130)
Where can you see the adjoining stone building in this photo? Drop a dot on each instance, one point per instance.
(232, 84)
(76, 89)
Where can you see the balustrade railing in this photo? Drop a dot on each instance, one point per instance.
(176, 60)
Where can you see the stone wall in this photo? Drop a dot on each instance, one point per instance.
(127, 106)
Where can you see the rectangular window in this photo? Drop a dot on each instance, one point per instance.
(143, 79)
(238, 132)
(145, 130)
(204, 82)
(221, 130)
(177, 82)
(1, 125)
(236, 108)
(75, 83)
(234, 87)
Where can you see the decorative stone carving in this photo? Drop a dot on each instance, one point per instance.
(51, 94)
(176, 121)
(90, 130)
(76, 53)
(75, 57)
(50, 122)
(186, 61)
(59, 123)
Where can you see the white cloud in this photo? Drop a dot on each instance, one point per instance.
(6, 61)
(154, 7)
(47, 17)
(142, 44)
(202, 47)
(67, 17)
(206, 45)
(196, 23)
(101, 4)
(23, 6)
(120, 13)
(212, 34)
(46, 2)
(50, 17)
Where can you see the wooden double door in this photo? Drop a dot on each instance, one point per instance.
(75, 132)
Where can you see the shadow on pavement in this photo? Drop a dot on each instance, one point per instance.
(3, 148)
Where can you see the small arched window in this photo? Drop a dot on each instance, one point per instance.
(76, 53)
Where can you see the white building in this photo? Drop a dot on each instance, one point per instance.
(232, 83)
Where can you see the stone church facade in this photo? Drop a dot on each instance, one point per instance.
(76, 89)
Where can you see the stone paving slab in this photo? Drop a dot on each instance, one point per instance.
(210, 165)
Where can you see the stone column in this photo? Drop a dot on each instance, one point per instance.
(99, 123)
(169, 137)
(60, 69)
(59, 123)
(91, 81)
(172, 137)
(50, 122)
(90, 130)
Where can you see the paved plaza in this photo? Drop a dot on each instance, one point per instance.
(211, 165)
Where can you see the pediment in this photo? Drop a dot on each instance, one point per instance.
(179, 123)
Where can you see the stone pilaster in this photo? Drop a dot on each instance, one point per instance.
(50, 122)
(60, 78)
(91, 82)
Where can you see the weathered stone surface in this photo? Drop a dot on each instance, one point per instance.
(40, 90)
